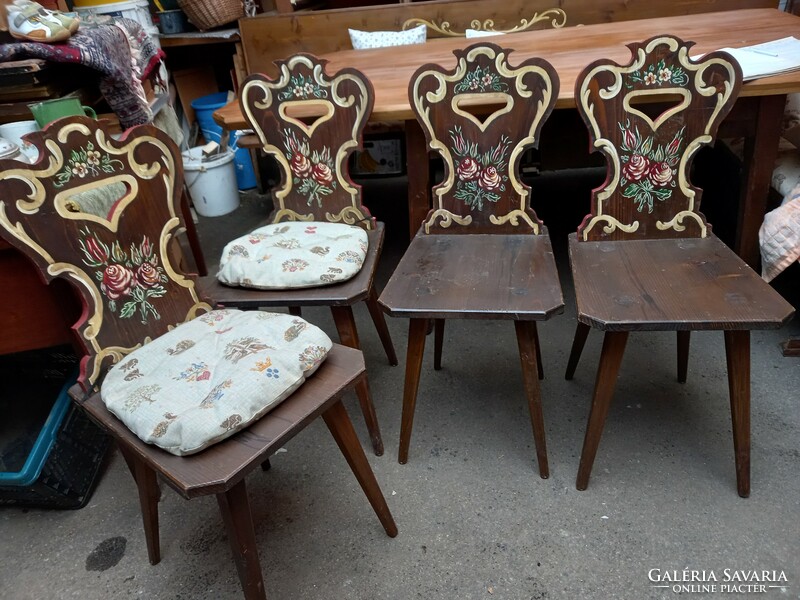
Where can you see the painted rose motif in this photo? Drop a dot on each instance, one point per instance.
(312, 172)
(648, 169)
(117, 281)
(301, 166)
(128, 279)
(86, 161)
(636, 167)
(468, 169)
(322, 173)
(480, 175)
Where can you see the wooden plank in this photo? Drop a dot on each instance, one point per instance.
(270, 37)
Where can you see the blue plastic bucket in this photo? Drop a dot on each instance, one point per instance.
(204, 108)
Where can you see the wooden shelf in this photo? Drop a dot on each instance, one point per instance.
(196, 38)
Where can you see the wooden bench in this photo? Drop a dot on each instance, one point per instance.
(268, 37)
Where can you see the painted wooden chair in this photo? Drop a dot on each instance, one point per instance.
(310, 123)
(103, 214)
(481, 252)
(645, 259)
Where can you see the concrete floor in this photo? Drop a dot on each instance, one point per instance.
(475, 519)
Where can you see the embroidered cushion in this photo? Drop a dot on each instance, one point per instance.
(211, 377)
(363, 40)
(294, 254)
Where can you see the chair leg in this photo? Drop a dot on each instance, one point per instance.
(539, 366)
(266, 465)
(417, 330)
(191, 235)
(379, 319)
(235, 509)
(610, 360)
(341, 429)
(737, 353)
(581, 333)
(348, 335)
(295, 311)
(149, 495)
(683, 355)
(526, 340)
(438, 342)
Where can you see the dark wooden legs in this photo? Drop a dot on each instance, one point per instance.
(235, 509)
(539, 366)
(610, 360)
(791, 347)
(683, 355)
(438, 342)
(417, 330)
(528, 354)
(149, 495)
(348, 335)
(341, 429)
(578, 342)
(737, 353)
(379, 320)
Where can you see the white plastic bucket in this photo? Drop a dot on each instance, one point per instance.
(212, 184)
(138, 10)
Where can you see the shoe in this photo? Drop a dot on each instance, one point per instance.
(25, 23)
(69, 21)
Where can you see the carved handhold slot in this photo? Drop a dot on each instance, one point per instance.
(307, 114)
(99, 201)
(482, 109)
(656, 106)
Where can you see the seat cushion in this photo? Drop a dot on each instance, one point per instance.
(211, 377)
(294, 255)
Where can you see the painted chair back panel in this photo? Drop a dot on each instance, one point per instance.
(649, 118)
(311, 123)
(480, 117)
(103, 214)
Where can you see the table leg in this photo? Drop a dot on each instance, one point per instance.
(760, 152)
(418, 176)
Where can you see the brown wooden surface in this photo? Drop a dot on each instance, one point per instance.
(688, 284)
(270, 37)
(223, 465)
(737, 355)
(475, 276)
(649, 141)
(342, 294)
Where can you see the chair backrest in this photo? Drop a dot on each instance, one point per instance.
(103, 214)
(480, 117)
(649, 118)
(311, 123)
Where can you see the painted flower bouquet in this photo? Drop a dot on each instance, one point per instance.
(312, 171)
(480, 175)
(86, 161)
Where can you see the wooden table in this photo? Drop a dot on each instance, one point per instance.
(756, 116)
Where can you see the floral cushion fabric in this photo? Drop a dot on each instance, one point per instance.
(211, 377)
(294, 254)
(363, 40)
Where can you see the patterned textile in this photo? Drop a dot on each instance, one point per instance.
(120, 50)
(294, 254)
(779, 236)
(211, 377)
(363, 40)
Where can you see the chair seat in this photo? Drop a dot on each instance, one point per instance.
(204, 380)
(294, 254)
(476, 276)
(222, 466)
(340, 294)
(670, 284)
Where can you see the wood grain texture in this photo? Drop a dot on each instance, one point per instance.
(223, 465)
(688, 284)
(269, 37)
(569, 50)
(475, 276)
(737, 355)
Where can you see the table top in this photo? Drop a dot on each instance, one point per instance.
(569, 50)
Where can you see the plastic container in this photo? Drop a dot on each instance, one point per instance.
(172, 21)
(212, 184)
(138, 10)
(62, 467)
(204, 111)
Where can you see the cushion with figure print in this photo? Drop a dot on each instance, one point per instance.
(206, 379)
(294, 254)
